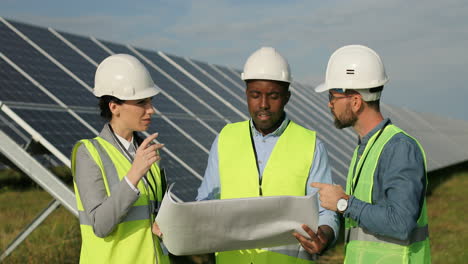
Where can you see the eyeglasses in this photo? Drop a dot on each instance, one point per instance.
(331, 97)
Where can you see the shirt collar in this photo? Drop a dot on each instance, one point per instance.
(278, 132)
(124, 142)
(366, 138)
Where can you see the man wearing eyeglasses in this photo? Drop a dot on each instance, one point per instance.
(384, 204)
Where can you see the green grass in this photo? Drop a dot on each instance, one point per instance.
(58, 240)
(447, 213)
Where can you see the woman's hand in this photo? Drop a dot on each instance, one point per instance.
(145, 156)
(156, 230)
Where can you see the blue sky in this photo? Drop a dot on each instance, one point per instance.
(423, 43)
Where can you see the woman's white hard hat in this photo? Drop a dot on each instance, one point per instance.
(125, 77)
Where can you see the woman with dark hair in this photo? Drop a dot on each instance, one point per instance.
(117, 180)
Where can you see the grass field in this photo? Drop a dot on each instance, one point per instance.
(57, 240)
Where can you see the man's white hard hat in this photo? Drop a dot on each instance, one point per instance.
(355, 67)
(267, 64)
(125, 77)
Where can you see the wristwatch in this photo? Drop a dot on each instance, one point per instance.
(342, 205)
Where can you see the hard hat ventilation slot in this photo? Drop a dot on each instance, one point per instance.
(349, 71)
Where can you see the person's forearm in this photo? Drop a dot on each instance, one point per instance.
(329, 234)
(389, 220)
(110, 212)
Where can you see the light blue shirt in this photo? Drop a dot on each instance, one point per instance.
(319, 171)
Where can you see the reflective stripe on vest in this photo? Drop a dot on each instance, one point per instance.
(285, 173)
(365, 247)
(140, 212)
(417, 235)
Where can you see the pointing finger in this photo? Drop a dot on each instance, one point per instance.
(318, 185)
(148, 140)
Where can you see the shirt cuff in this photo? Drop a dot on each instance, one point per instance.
(135, 189)
(354, 209)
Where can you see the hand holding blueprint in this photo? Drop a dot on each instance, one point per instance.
(221, 225)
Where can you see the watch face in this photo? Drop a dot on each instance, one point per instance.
(342, 205)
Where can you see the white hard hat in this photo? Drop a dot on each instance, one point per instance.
(355, 67)
(125, 77)
(266, 64)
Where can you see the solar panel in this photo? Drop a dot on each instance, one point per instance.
(46, 79)
(236, 88)
(55, 125)
(45, 75)
(86, 45)
(181, 91)
(58, 50)
(15, 87)
(226, 102)
(234, 74)
(43, 70)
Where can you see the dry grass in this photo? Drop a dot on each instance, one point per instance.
(56, 240)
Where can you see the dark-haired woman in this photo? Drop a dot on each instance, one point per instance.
(116, 176)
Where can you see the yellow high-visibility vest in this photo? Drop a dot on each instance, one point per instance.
(286, 173)
(132, 241)
(365, 247)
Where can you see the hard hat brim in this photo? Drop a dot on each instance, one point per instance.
(146, 93)
(321, 88)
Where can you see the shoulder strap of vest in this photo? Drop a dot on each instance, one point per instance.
(375, 146)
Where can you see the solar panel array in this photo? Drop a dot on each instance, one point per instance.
(46, 80)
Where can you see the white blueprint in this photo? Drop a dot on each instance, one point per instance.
(245, 223)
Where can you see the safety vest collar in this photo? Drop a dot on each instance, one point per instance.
(364, 140)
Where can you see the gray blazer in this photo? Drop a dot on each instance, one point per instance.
(104, 212)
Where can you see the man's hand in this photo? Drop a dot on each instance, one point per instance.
(317, 242)
(329, 194)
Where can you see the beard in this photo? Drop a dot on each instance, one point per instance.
(347, 119)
